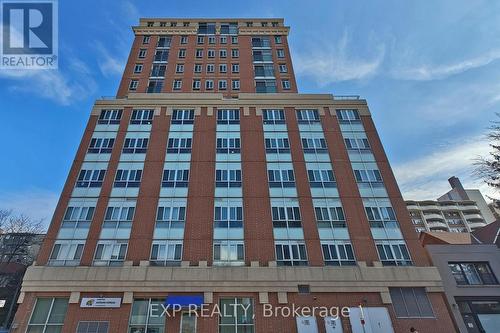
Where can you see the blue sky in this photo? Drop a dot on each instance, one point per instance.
(429, 70)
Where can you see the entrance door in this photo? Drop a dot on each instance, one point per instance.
(306, 324)
(376, 320)
(333, 325)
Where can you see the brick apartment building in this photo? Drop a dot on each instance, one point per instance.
(210, 178)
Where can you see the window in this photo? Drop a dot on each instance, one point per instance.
(155, 86)
(118, 216)
(235, 68)
(183, 117)
(196, 84)
(222, 84)
(205, 28)
(90, 178)
(338, 253)
(137, 68)
(411, 303)
(222, 53)
(184, 39)
(380, 217)
(182, 53)
(175, 178)
(348, 116)
(393, 253)
(263, 24)
(235, 53)
(197, 68)
(166, 253)
(110, 253)
(233, 319)
(281, 178)
(280, 53)
(249, 24)
(146, 316)
(164, 41)
(142, 53)
(235, 84)
(199, 53)
(142, 117)
(223, 39)
(357, 143)
(228, 217)
(185, 24)
(78, 216)
(209, 84)
(92, 327)
(66, 253)
(227, 251)
(277, 145)
(179, 68)
(110, 117)
(262, 56)
(200, 40)
(173, 24)
(210, 68)
(228, 116)
(163, 24)
(277, 39)
(48, 315)
(179, 145)
(211, 53)
(211, 39)
(321, 178)
(264, 70)
(261, 42)
(271, 116)
(228, 145)
(177, 84)
(329, 217)
(135, 146)
(227, 178)
(285, 84)
(283, 68)
(161, 56)
(158, 70)
(291, 253)
(146, 39)
(128, 178)
(188, 323)
(223, 68)
(314, 145)
(368, 176)
(307, 116)
(265, 86)
(133, 85)
(286, 216)
(101, 145)
(234, 39)
(472, 273)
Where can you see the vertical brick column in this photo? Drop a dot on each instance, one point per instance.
(311, 235)
(198, 232)
(62, 204)
(259, 240)
(418, 254)
(357, 222)
(147, 202)
(107, 186)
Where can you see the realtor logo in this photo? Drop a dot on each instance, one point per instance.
(29, 34)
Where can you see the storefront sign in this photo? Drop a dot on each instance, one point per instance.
(95, 302)
(184, 301)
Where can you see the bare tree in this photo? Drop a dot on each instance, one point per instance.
(487, 168)
(19, 233)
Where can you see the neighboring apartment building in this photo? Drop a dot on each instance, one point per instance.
(242, 193)
(458, 210)
(470, 267)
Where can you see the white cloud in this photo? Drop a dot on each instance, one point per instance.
(108, 64)
(432, 72)
(334, 62)
(426, 177)
(35, 203)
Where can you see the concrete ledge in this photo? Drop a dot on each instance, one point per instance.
(227, 279)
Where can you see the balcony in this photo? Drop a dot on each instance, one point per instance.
(449, 207)
(433, 216)
(475, 225)
(436, 225)
(473, 216)
(468, 207)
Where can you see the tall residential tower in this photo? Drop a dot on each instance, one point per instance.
(210, 179)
